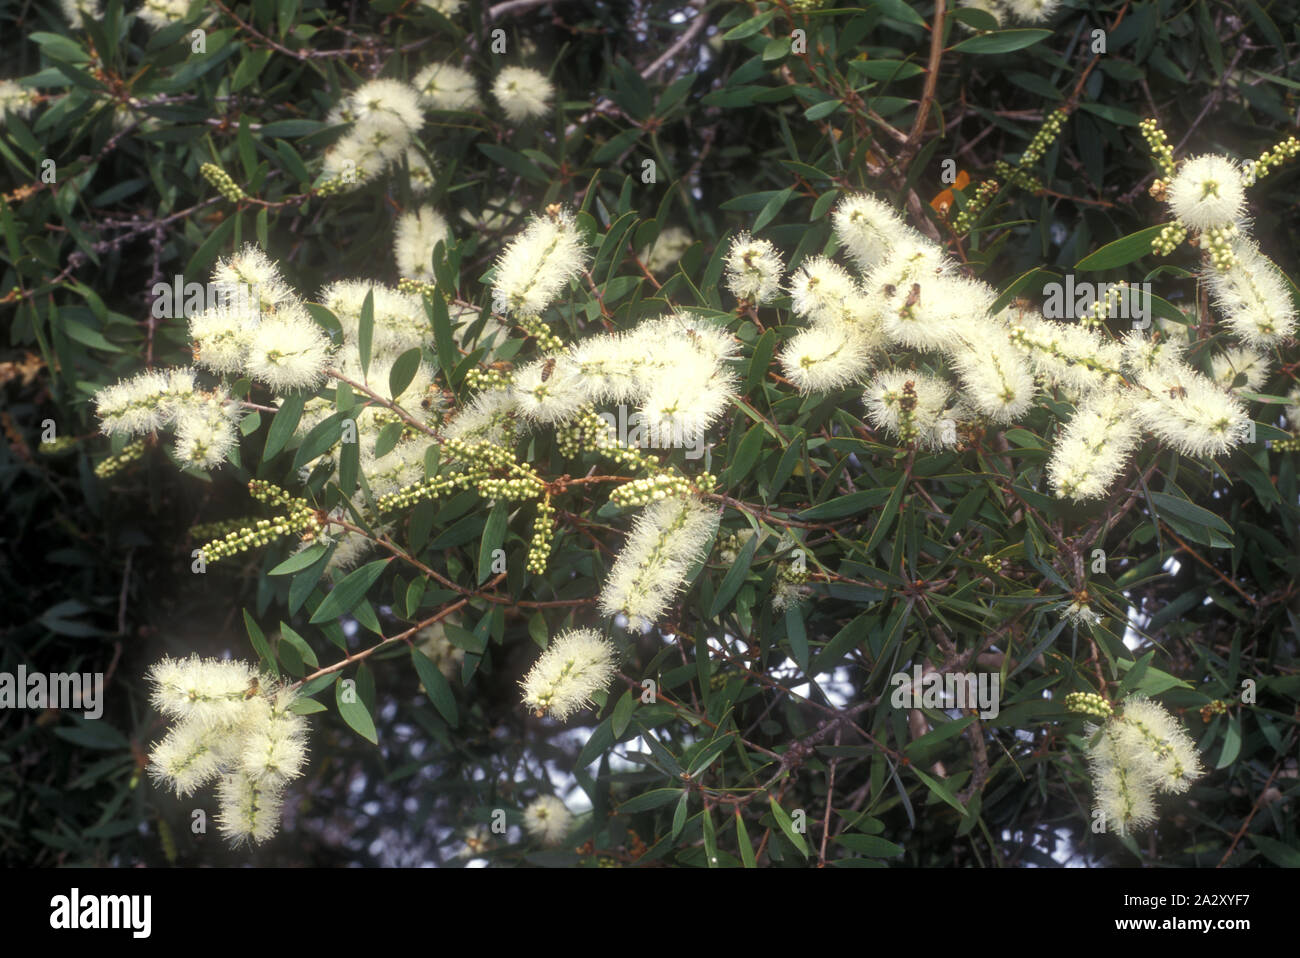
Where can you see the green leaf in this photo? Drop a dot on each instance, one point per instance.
(260, 645)
(746, 846)
(354, 712)
(869, 845)
(366, 330)
(1003, 41)
(435, 686)
(850, 505)
(305, 651)
(734, 578)
(627, 704)
(749, 27)
(787, 826)
(1171, 505)
(283, 424)
(403, 371)
(494, 533)
(939, 789)
(300, 560)
(655, 798)
(1121, 252)
(345, 596)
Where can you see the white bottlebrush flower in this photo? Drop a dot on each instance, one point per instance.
(575, 666)
(219, 337)
(822, 359)
(417, 233)
(687, 331)
(1090, 453)
(869, 229)
(1143, 354)
(934, 313)
(491, 416)
(1207, 191)
(249, 811)
(824, 293)
(446, 7)
(134, 406)
(249, 279)
(678, 411)
(668, 536)
(996, 379)
(274, 742)
(666, 250)
(433, 642)
(78, 11)
(234, 724)
(443, 86)
(187, 758)
(523, 93)
(1033, 11)
(209, 691)
(1253, 297)
(753, 268)
(400, 322)
(353, 162)
(1170, 753)
(1069, 355)
(1122, 793)
(547, 820)
(1190, 413)
(538, 264)
(421, 174)
(401, 466)
(616, 368)
(289, 351)
(1139, 752)
(549, 390)
(206, 432)
(1293, 409)
(911, 406)
(1238, 361)
(16, 99)
(378, 100)
(163, 13)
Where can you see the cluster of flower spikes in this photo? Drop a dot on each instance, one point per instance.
(232, 726)
(258, 329)
(935, 356)
(1207, 195)
(385, 115)
(1136, 752)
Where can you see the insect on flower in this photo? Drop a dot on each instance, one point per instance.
(548, 367)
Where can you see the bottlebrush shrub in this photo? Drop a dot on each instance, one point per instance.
(944, 366)
(652, 392)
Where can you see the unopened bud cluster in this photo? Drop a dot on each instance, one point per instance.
(641, 492)
(299, 519)
(219, 178)
(539, 549)
(1158, 142)
(114, 464)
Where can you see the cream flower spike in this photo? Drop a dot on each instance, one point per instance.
(576, 665)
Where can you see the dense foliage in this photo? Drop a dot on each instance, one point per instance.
(846, 551)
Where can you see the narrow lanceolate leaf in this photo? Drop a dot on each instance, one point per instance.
(354, 710)
(283, 424)
(787, 826)
(345, 596)
(366, 330)
(435, 686)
